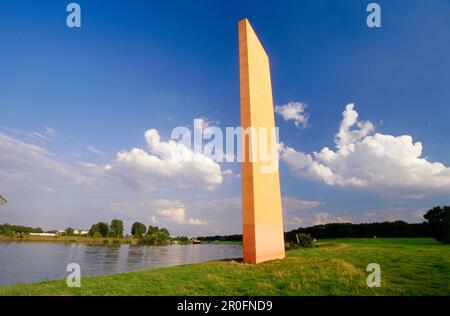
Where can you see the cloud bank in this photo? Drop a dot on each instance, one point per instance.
(32, 165)
(390, 165)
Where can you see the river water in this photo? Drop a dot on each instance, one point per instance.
(27, 262)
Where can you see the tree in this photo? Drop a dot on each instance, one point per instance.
(152, 229)
(138, 230)
(439, 220)
(165, 232)
(156, 236)
(103, 228)
(100, 228)
(69, 231)
(116, 228)
(93, 230)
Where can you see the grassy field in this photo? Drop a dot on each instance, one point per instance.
(336, 267)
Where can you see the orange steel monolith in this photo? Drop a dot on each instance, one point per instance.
(263, 237)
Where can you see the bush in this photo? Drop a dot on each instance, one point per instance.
(305, 241)
(7, 233)
(157, 238)
(290, 246)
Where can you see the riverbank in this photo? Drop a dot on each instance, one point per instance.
(96, 240)
(223, 242)
(336, 267)
(70, 239)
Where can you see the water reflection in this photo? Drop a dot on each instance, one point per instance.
(25, 262)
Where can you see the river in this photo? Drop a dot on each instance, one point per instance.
(27, 262)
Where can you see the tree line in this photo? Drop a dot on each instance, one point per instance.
(366, 230)
(10, 230)
(102, 229)
(437, 225)
(344, 230)
(153, 235)
(234, 238)
(149, 235)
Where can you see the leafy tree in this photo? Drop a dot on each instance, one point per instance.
(116, 228)
(69, 231)
(152, 229)
(165, 232)
(439, 220)
(5, 230)
(156, 236)
(138, 230)
(103, 228)
(93, 230)
(99, 229)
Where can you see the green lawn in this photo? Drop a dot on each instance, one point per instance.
(336, 267)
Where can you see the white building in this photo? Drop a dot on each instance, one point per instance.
(43, 234)
(80, 232)
(75, 231)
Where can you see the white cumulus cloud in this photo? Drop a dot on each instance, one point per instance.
(387, 164)
(175, 211)
(168, 163)
(293, 111)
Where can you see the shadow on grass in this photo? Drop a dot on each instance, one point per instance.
(232, 260)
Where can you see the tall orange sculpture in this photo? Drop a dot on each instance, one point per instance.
(263, 237)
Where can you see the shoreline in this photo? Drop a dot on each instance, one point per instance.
(97, 240)
(71, 239)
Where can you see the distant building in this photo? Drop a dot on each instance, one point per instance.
(194, 240)
(80, 232)
(77, 231)
(44, 234)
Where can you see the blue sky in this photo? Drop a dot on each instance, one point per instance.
(138, 65)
